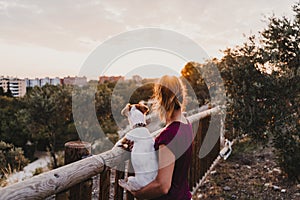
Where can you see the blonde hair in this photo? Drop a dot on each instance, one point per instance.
(169, 95)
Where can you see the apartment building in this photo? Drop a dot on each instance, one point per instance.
(40, 82)
(103, 79)
(80, 81)
(17, 86)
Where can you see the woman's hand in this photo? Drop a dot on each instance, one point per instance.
(136, 193)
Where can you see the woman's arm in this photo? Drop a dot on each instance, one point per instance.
(162, 183)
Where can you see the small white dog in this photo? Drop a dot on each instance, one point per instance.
(141, 144)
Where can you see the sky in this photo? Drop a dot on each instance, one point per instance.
(40, 38)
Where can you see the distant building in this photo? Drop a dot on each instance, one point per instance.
(55, 81)
(45, 81)
(103, 79)
(74, 80)
(16, 86)
(32, 82)
(40, 82)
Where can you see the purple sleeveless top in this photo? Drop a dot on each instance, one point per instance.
(178, 138)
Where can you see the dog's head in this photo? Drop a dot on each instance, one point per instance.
(135, 113)
(141, 107)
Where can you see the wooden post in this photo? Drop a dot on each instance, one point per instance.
(104, 190)
(74, 151)
(197, 141)
(130, 170)
(193, 166)
(120, 174)
(204, 161)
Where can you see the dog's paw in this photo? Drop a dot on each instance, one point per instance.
(126, 144)
(123, 183)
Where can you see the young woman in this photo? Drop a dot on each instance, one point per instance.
(173, 144)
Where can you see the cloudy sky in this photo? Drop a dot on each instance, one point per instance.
(41, 38)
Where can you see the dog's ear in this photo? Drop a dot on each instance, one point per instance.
(126, 109)
(141, 107)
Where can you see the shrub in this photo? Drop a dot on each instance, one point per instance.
(12, 158)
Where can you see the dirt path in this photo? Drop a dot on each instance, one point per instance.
(42, 162)
(249, 173)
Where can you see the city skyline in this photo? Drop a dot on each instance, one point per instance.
(18, 86)
(50, 39)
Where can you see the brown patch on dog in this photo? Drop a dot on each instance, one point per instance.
(141, 107)
(126, 144)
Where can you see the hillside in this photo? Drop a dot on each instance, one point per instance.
(249, 173)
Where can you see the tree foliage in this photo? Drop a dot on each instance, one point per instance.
(280, 49)
(195, 83)
(12, 158)
(262, 78)
(12, 127)
(246, 91)
(50, 117)
(43, 119)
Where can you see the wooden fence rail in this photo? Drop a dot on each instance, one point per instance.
(58, 181)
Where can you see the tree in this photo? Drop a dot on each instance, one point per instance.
(262, 83)
(91, 102)
(8, 93)
(12, 127)
(246, 86)
(280, 51)
(262, 78)
(50, 117)
(142, 93)
(192, 74)
(1, 91)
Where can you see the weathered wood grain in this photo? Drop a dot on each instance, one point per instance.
(60, 179)
(74, 151)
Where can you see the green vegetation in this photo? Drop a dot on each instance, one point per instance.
(12, 159)
(43, 119)
(261, 79)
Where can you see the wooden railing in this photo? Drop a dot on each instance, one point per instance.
(57, 183)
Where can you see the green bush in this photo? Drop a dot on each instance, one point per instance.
(280, 49)
(12, 158)
(261, 79)
(265, 103)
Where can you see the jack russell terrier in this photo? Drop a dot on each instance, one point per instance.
(141, 144)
